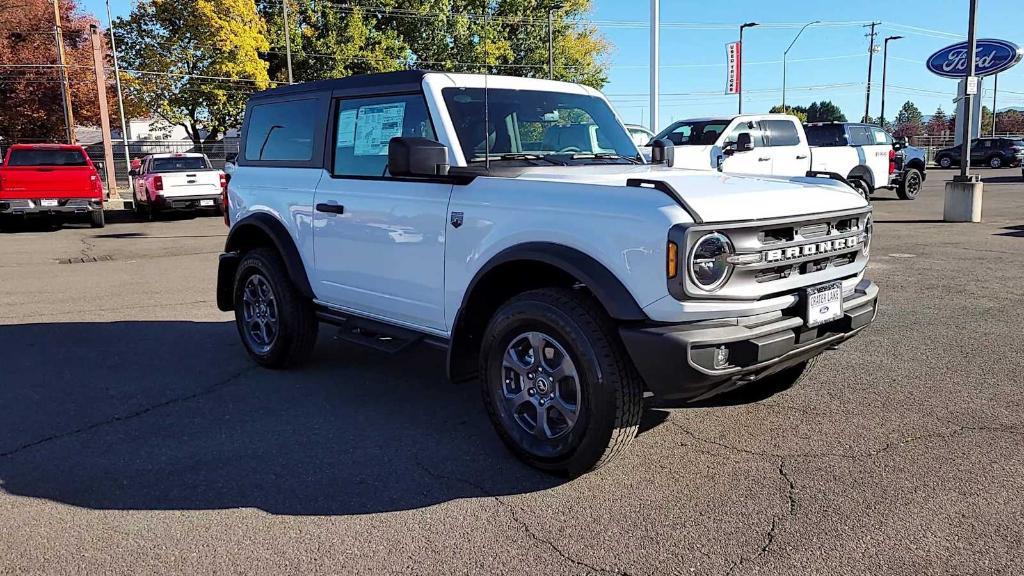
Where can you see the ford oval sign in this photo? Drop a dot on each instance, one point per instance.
(992, 57)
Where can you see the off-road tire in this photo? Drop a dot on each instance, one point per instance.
(910, 187)
(97, 219)
(610, 389)
(861, 185)
(298, 326)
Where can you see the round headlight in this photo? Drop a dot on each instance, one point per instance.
(709, 268)
(869, 229)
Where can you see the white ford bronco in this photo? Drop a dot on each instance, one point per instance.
(514, 223)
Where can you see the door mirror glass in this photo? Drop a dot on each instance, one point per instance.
(663, 151)
(744, 142)
(417, 157)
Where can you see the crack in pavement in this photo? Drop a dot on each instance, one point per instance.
(129, 416)
(513, 514)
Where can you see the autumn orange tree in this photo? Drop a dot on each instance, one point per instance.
(31, 105)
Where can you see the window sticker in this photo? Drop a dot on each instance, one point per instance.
(347, 128)
(376, 126)
(879, 137)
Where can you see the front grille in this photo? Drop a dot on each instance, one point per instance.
(826, 246)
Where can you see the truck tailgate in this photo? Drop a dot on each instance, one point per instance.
(198, 183)
(39, 182)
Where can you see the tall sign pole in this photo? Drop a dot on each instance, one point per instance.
(995, 92)
(101, 96)
(655, 65)
(65, 85)
(739, 65)
(967, 121)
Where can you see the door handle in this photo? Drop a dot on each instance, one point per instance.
(330, 208)
(802, 157)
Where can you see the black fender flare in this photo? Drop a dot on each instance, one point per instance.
(862, 172)
(266, 225)
(605, 286)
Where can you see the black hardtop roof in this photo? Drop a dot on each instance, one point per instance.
(385, 81)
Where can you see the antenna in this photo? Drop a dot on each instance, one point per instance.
(487, 111)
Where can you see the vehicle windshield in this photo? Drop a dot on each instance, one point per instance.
(179, 164)
(43, 157)
(694, 133)
(530, 125)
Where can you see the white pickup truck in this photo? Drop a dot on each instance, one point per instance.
(177, 182)
(777, 145)
(513, 222)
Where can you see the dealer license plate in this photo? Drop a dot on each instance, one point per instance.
(206, 202)
(824, 304)
(49, 203)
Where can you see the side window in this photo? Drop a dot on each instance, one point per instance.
(282, 131)
(860, 135)
(880, 137)
(365, 126)
(752, 128)
(782, 133)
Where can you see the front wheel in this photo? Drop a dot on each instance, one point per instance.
(861, 185)
(276, 322)
(945, 161)
(911, 185)
(995, 162)
(557, 383)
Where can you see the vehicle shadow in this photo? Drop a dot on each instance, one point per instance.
(174, 416)
(1015, 179)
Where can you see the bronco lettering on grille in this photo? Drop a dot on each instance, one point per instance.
(816, 249)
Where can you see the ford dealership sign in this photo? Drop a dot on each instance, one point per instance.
(992, 57)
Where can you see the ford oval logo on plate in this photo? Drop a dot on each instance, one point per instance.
(992, 57)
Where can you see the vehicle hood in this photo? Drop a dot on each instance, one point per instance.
(718, 197)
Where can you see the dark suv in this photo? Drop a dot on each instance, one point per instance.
(991, 152)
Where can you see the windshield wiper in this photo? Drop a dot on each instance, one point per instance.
(519, 156)
(605, 156)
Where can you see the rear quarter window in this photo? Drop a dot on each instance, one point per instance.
(283, 131)
(828, 135)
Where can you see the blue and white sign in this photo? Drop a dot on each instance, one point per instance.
(992, 57)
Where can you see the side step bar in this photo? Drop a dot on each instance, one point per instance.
(380, 336)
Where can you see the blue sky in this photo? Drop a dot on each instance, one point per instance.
(828, 62)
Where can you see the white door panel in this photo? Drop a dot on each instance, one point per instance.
(383, 255)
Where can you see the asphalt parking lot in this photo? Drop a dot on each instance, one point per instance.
(136, 436)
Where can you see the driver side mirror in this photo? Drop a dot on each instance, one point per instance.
(417, 157)
(663, 152)
(744, 143)
(900, 143)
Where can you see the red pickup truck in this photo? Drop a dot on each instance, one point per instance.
(52, 180)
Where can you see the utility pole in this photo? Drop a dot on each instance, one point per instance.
(739, 69)
(287, 42)
(995, 91)
(101, 96)
(655, 53)
(65, 85)
(551, 43)
(885, 69)
(120, 96)
(871, 60)
(785, 55)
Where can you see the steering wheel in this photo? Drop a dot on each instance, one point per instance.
(569, 150)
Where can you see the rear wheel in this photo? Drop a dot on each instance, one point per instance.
(97, 219)
(557, 383)
(995, 162)
(277, 324)
(911, 185)
(945, 161)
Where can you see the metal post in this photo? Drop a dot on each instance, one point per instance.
(287, 42)
(995, 90)
(967, 120)
(871, 62)
(785, 55)
(551, 43)
(739, 68)
(101, 97)
(885, 70)
(655, 72)
(65, 84)
(120, 95)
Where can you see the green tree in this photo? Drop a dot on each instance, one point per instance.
(798, 111)
(986, 120)
(199, 61)
(825, 111)
(909, 121)
(938, 124)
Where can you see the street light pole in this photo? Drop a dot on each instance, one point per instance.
(739, 91)
(967, 120)
(120, 96)
(885, 69)
(655, 72)
(785, 55)
(995, 91)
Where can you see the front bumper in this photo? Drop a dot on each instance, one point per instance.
(677, 362)
(186, 203)
(64, 207)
